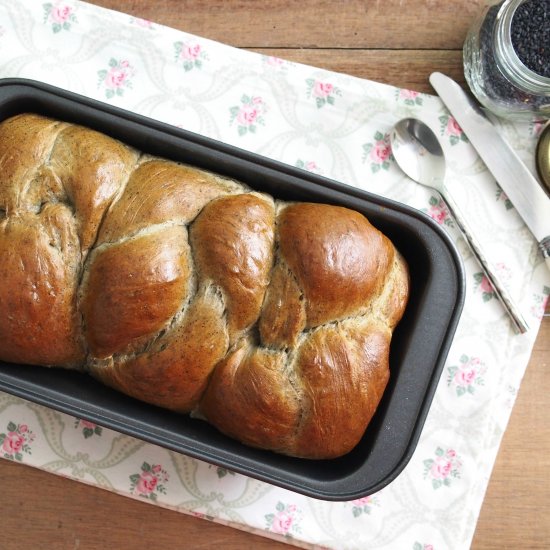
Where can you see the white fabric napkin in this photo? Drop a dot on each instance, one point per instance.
(335, 125)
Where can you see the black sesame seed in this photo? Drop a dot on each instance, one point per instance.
(535, 50)
(530, 32)
(498, 87)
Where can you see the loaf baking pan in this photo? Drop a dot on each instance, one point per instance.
(419, 347)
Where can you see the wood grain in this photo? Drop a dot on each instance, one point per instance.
(398, 42)
(70, 515)
(349, 24)
(516, 509)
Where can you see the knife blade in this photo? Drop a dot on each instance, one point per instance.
(511, 174)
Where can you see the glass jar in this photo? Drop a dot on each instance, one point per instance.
(496, 75)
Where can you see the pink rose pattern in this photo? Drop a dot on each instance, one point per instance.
(248, 115)
(536, 127)
(60, 15)
(309, 165)
(116, 78)
(88, 428)
(443, 468)
(378, 152)
(149, 482)
(144, 23)
(190, 55)
(322, 92)
(501, 196)
(467, 375)
(285, 520)
(438, 211)
(449, 128)
(422, 546)
(275, 63)
(483, 285)
(541, 301)
(15, 441)
(409, 97)
(202, 515)
(363, 505)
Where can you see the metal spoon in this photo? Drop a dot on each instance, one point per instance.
(419, 154)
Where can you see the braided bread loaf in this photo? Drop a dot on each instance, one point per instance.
(189, 291)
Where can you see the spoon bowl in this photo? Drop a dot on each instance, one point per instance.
(419, 154)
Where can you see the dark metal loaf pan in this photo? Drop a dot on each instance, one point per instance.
(419, 346)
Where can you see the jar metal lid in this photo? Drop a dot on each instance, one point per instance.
(543, 156)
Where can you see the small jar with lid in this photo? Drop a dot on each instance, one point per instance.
(507, 59)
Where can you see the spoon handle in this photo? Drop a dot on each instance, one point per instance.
(500, 290)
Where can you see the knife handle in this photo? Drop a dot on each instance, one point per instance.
(500, 290)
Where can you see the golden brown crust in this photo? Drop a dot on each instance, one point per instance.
(92, 169)
(157, 192)
(135, 289)
(344, 370)
(251, 398)
(174, 371)
(39, 264)
(283, 314)
(191, 292)
(338, 258)
(232, 241)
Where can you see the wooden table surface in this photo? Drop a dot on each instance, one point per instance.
(398, 42)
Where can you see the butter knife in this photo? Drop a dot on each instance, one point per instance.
(511, 174)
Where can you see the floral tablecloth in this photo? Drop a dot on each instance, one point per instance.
(335, 125)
